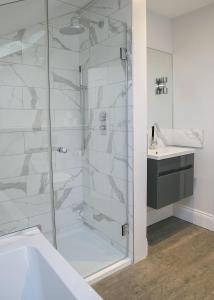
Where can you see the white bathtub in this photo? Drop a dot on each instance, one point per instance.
(31, 269)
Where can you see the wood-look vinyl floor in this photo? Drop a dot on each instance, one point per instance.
(180, 266)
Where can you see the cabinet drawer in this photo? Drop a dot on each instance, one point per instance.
(171, 165)
(174, 187)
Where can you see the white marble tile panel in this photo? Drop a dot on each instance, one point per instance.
(105, 224)
(22, 165)
(13, 226)
(11, 52)
(23, 119)
(64, 59)
(11, 97)
(118, 119)
(8, 76)
(67, 119)
(65, 99)
(36, 142)
(11, 143)
(98, 76)
(102, 53)
(124, 15)
(43, 220)
(61, 41)
(33, 54)
(69, 197)
(33, 206)
(97, 29)
(100, 161)
(114, 95)
(72, 159)
(31, 76)
(183, 137)
(66, 218)
(103, 7)
(65, 79)
(70, 139)
(35, 98)
(20, 209)
(24, 186)
(67, 178)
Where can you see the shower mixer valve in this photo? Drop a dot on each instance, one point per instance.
(103, 122)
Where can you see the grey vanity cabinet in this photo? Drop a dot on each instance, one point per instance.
(169, 180)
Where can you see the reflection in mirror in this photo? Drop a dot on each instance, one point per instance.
(160, 88)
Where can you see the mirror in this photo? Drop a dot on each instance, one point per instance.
(160, 88)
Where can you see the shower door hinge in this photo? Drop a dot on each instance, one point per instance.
(125, 229)
(123, 54)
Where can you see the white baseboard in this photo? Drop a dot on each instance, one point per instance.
(194, 216)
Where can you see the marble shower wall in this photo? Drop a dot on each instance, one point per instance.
(24, 170)
(108, 155)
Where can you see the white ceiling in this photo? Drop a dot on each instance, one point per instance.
(175, 8)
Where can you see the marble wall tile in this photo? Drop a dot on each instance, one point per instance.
(10, 97)
(69, 178)
(35, 34)
(183, 137)
(15, 120)
(105, 8)
(66, 219)
(60, 58)
(72, 159)
(69, 197)
(13, 226)
(105, 224)
(11, 53)
(108, 96)
(24, 186)
(36, 142)
(106, 205)
(65, 99)
(61, 41)
(20, 209)
(70, 119)
(66, 79)
(97, 29)
(102, 53)
(8, 76)
(22, 165)
(11, 143)
(44, 220)
(124, 14)
(33, 54)
(33, 76)
(35, 98)
(70, 139)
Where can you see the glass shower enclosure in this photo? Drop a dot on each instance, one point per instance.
(64, 126)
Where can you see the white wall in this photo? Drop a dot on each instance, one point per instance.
(140, 128)
(194, 105)
(159, 32)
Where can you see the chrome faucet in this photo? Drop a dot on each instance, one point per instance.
(156, 129)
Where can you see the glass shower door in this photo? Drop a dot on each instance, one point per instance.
(88, 71)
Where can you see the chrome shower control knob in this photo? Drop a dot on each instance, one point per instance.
(62, 150)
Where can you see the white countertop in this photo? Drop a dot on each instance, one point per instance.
(168, 152)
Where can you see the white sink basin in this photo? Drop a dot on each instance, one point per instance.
(168, 152)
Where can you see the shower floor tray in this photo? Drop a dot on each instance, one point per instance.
(86, 251)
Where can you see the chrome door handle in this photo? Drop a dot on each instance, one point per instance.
(62, 150)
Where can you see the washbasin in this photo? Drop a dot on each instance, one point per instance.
(169, 152)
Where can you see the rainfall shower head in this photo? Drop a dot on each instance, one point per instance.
(74, 28)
